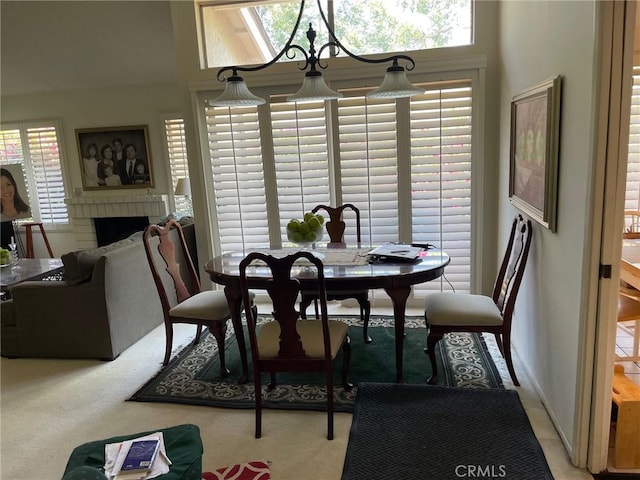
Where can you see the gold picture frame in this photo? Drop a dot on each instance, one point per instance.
(534, 152)
(105, 161)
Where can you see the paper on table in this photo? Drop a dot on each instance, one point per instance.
(114, 454)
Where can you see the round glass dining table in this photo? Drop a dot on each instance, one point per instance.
(344, 269)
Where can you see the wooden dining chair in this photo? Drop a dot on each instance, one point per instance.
(336, 227)
(631, 224)
(179, 288)
(462, 312)
(289, 343)
(629, 311)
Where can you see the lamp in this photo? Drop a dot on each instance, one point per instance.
(394, 85)
(183, 188)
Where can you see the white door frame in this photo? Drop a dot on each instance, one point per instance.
(615, 40)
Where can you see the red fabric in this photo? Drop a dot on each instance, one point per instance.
(258, 470)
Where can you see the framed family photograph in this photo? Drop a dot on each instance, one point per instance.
(534, 151)
(115, 157)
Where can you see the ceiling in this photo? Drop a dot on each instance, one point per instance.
(66, 45)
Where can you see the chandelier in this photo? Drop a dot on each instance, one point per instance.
(394, 85)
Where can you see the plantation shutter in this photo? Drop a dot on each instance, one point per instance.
(47, 174)
(368, 165)
(178, 163)
(301, 158)
(439, 124)
(10, 147)
(441, 176)
(36, 148)
(632, 198)
(238, 178)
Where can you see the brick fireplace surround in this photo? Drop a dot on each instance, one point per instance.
(82, 211)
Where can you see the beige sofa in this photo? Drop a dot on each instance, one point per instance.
(106, 303)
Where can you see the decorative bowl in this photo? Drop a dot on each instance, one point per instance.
(307, 231)
(6, 257)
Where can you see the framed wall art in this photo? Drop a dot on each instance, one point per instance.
(13, 193)
(115, 157)
(534, 151)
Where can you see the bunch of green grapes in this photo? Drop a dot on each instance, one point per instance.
(307, 230)
(5, 256)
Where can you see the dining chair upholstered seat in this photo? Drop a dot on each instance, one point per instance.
(336, 227)
(179, 290)
(447, 312)
(310, 332)
(288, 343)
(202, 306)
(448, 308)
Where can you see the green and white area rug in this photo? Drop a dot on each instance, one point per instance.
(193, 377)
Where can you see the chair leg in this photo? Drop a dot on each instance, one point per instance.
(506, 338)
(365, 313)
(305, 301)
(254, 310)
(499, 342)
(257, 382)
(168, 328)
(346, 361)
(198, 334)
(219, 330)
(329, 375)
(432, 340)
(272, 383)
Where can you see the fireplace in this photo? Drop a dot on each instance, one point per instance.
(84, 210)
(112, 229)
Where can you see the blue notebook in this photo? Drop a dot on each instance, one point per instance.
(140, 455)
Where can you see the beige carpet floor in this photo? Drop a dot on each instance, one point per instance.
(47, 407)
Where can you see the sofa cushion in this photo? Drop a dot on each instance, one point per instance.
(78, 266)
(7, 316)
(136, 236)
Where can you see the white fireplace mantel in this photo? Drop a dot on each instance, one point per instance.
(121, 206)
(82, 211)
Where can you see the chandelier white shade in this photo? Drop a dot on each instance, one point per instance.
(394, 85)
(313, 88)
(237, 94)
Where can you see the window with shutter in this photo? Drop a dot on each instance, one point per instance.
(295, 140)
(176, 146)
(632, 199)
(301, 158)
(35, 146)
(441, 176)
(238, 178)
(369, 165)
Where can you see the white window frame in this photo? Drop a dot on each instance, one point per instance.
(23, 127)
(251, 30)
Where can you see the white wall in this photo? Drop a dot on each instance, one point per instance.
(538, 40)
(105, 107)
